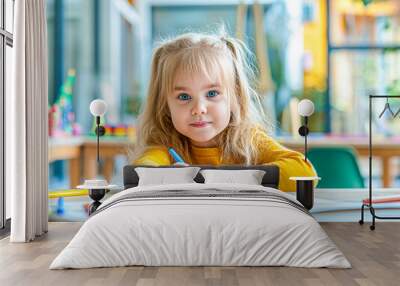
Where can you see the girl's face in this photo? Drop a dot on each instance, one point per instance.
(199, 107)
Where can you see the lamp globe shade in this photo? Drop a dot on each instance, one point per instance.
(98, 107)
(305, 107)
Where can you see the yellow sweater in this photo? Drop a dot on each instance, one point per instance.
(290, 163)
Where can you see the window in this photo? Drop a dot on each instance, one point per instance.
(364, 58)
(6, 43)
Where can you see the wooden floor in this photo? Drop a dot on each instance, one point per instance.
(374, 255)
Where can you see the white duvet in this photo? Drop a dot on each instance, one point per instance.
(190, 230)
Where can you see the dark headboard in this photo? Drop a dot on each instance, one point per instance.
(270, 179)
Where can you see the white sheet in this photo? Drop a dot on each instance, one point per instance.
(200, 231)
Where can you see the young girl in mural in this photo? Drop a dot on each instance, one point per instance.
(200, 103)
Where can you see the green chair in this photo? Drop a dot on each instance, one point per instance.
(337, 167)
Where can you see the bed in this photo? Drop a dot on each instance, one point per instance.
(201, 224)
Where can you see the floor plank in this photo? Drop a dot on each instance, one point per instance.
(374, 255)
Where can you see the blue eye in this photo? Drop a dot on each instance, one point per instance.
(212, 93)
(184, 96)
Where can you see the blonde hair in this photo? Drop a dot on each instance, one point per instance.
(193, 53)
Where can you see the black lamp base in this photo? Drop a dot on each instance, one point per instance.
(305, 193)
(96, 195)
(305, 190)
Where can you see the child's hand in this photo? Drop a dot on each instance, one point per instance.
(181, 164)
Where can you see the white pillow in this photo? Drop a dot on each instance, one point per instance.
(249, 177)
(162, 176)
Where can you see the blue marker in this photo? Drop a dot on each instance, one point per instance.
(177, 158)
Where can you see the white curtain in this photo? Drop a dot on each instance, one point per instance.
(26, 117)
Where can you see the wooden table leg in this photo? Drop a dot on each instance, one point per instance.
(386, 175)
(89, 165)
(74, 172)
(107, 155)
(108, 168)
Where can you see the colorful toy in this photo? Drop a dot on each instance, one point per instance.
(59, 195)
(61, 115)
(119, 130)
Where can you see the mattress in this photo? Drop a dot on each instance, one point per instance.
(201, 225)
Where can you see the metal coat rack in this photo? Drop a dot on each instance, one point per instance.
(370, 204)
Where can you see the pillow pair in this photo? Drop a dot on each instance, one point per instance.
(184, 175)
